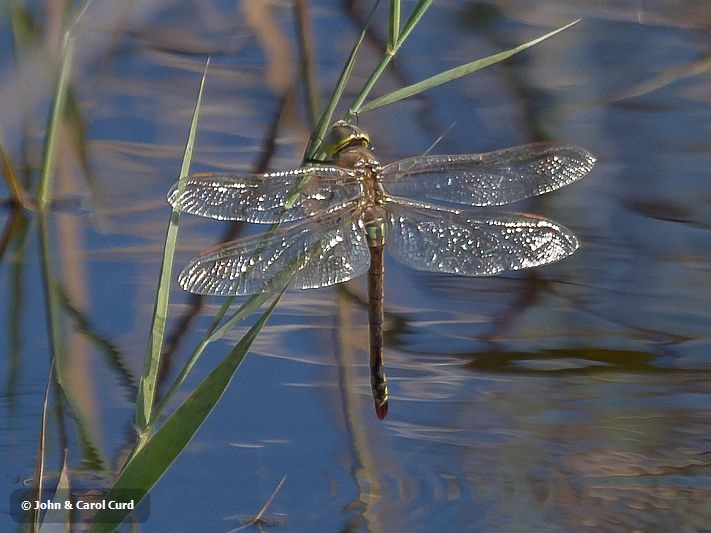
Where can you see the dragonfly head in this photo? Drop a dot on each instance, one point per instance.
(344, 136)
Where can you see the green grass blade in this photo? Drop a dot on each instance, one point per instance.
(393, 24)
(412, 21)
(453, 74)
(414, 18)
(313, 150)
(213, 333)
(252, 304)
(158, 453)
(147, 384)
(52, 297)
(58, 106)
(52, 300)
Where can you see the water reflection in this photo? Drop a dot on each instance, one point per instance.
(575, 396)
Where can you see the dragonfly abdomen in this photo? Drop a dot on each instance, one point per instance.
(376, 313)
(375, 227)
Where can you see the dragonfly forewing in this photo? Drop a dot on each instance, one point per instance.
(470, 243)
(315, 253)
(266, 198)
(494, 178)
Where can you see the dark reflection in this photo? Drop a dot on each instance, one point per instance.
(570, 362)
(661, 211)
(477, 16)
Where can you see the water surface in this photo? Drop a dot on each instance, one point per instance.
(571, 397)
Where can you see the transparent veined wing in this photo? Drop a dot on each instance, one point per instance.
(469, 243)
(494, 178)
(314, 253)
(266, 198)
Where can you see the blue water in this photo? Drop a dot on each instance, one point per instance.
(568, 398)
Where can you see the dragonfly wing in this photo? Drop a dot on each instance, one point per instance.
(474, 244)
(314, 253)
(266, 198)
(494, 178)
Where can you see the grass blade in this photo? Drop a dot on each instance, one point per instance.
(58, 106)
(393, 24)
(412, 21)
(247, 308)
(158, 453)
(147, 385)
(212, 334)
(452, 74)
(417, 13)
(58, 112)
(313, 150)
(52, 300)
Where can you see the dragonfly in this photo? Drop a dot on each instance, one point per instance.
(341, 214)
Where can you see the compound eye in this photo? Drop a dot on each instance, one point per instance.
(343, 135)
